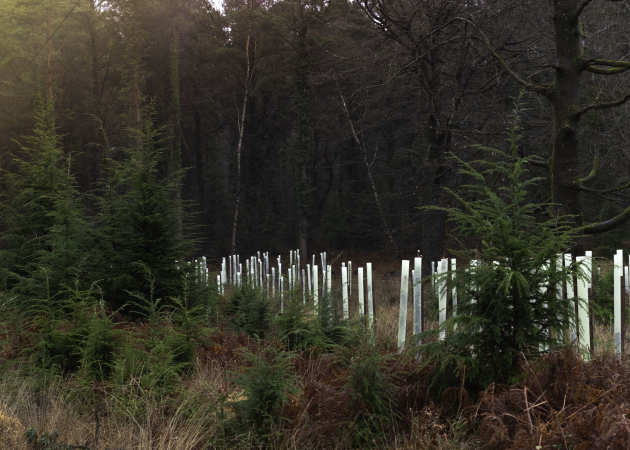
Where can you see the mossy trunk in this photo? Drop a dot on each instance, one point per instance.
(564, 101)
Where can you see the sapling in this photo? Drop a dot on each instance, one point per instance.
(502, 312)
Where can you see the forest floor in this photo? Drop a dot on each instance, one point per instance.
(239, 391)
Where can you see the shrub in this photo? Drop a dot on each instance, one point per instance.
(98, 347)
(72, 331)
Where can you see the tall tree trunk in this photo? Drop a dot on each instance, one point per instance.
(49, 60)
(199, 162)
(438, 141)
(94, 88)
(303, 139)
(432, 223)
(239, 146)
(137, 98)
(175, 157)
(564, 101)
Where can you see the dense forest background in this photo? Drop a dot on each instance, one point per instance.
(318, 123)
(138, 135)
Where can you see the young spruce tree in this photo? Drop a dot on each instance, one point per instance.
(43, 227)
(139, 244)
(507, 303)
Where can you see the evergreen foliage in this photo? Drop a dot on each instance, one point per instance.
(298, 328)
(249, 311)
(137, 228)
(372, 392)
(602, 300)
(43, 228)
(267, 385)
(509, 307)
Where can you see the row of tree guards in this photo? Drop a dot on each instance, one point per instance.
(304, 278)
(314, 281)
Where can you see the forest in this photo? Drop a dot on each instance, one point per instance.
(138, 136)
(323, 124)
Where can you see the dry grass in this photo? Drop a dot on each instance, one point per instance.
(190, 424)
(430, 431)
(322, 414)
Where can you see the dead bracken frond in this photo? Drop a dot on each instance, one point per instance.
(562, 402)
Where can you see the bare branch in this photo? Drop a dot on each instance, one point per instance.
(606, 225)
(542, 89)
(611, 71)
(594, 170)
(603, 105)
(368, 165)
(621, 187)
(580, 10)
(606, 66)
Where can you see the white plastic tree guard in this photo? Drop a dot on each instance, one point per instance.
(360, 291)
(328, 280)
(402, 312)
(315, 288)
(454, 288)
(344, 292)
(617, 271)
(583, 326)
(370, 294)
(417, 295)
(349, 279)
(442, 270)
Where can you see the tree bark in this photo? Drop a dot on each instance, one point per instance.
(239, 145)
(303, 144)
(564, 102)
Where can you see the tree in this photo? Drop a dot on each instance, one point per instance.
(247, 86)
(139, 249)
(565, 94)
(44, 231)
(449, 79)
(507, 303)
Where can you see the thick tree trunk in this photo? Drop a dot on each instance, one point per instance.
(432, 223)
(564, 101)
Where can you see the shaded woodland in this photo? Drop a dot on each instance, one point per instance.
(139, 135)
(318, 123)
